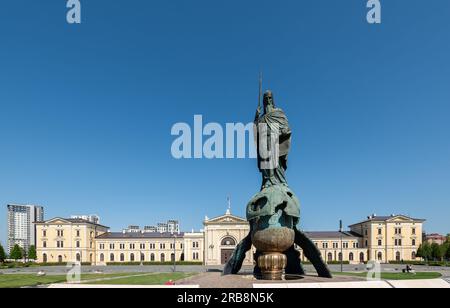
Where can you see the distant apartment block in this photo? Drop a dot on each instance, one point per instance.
(436, 238)
(90, 218)
(171, 226)
(21, 225)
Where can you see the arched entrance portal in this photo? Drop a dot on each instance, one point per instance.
(227, 246)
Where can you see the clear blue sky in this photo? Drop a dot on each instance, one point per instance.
(86, 110)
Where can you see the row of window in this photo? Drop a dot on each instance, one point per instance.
(351, 257)
(398, 242)
(133, 258)
(60, 244)
(141, 246)
(336, 245)
(60, 233)
(151, 246)
(397, 231)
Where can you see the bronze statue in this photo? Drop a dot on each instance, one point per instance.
(274, 212)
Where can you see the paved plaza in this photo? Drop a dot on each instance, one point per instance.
(57, 270)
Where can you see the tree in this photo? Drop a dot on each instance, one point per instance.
(32, 253)
(426, 251)
(16, 253)
(436, 251)
(2, 254)
(446, 249)
(419, 253)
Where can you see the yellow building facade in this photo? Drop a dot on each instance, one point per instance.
(62, 240)
(390, 238)
(384, 239)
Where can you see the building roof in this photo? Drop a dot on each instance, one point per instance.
(435, 236)
(332, 234)
(139, 235)
(71, 221)
(375, 218)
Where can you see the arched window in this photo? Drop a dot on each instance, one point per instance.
(361, 257)
(111, 257)
(44, 258)
(330, 257)
(340, 256)
(172, 257)
(163, 257)
(142, 257)
(398, 256)
(132, 257)
(78, 257)
(351, 257)
(152, 257)
(380, 256)
(228, 241)
(102, 257)
(60, 259)
(413, 255)
(122, 257)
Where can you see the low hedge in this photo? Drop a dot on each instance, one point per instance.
(338, 263)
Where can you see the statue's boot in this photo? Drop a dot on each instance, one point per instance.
(294, 265)
(312, 253)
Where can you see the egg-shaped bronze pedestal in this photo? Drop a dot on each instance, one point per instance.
(272, 242)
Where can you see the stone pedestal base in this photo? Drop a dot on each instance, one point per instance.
(272, 265)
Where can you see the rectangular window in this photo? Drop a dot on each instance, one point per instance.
(78, 245)
(414, 242)
(78, 233)
(414, 231)
(379, 243)
(44, 233)
(379, 231)
(44, 244)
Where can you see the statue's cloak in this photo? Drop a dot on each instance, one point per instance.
(276, 121)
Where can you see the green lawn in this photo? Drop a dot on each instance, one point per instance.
(397, 276)
(29, 280)
(146, 279)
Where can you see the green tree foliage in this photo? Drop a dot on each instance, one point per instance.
(437, 251)
(419, 253)
(426, 251)
(446, 249)
(16, 253)
(32, 253)
(2, 254)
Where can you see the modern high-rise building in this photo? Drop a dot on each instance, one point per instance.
(21, 225)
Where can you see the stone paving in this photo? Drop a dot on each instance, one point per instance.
(246, 280)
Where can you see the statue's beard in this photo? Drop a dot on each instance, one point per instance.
(268, 108)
